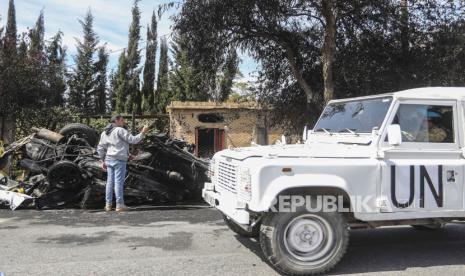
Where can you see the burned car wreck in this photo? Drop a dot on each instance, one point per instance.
(63, 169)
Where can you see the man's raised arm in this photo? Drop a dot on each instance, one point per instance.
(132, 139)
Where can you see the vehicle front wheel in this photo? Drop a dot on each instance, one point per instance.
(303, 243)
(240, 231)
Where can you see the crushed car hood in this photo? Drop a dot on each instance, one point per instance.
(309, 150)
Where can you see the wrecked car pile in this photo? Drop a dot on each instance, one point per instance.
(63, 169)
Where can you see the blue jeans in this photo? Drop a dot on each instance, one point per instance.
(116, 173)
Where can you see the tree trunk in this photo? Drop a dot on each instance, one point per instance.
(298, 73)
(404, 42)
(329, 48)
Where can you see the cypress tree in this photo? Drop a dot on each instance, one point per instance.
(148, 103)
(11, 30)
(134, 101)
(56, 70)
(185, 79)
(163, 93)
(36, 63)
(26, 81)
(100, 100)
(112, 93)
(120, 92)
(36, 37)
(82, 81)
(9, 88)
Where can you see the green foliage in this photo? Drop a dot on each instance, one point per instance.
(32, 51)
(50, 118)
(113, 79)
(9, 86)
(148, 93)
(36, 36)
(32, 71)
(229, 73)
(11, 31)
(82, 83)
(121, 78)
(97, 124)
(235, 97)
(127, 85)
(101, 81)
(163, 95)
(380, 46)
(56, 71)
(134, 101)
(242, 92)
(186, 82)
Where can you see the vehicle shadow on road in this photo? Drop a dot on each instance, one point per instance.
(401, 248)
(252, 244)
(395, 249)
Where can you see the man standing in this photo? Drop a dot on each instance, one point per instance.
(113, 150)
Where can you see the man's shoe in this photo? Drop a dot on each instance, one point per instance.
(107, 208)
(121, 208)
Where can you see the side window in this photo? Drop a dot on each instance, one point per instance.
(425, 123)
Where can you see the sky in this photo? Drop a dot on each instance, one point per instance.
(111, 23)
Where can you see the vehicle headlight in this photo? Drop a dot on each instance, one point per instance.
(245, 184)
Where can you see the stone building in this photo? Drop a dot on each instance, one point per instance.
(215, 126)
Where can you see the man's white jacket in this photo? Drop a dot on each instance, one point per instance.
(114, 143)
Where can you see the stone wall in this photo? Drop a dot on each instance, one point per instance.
(242, 126)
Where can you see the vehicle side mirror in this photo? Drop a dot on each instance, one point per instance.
(394, 135)
(305, 134)
(283, 140)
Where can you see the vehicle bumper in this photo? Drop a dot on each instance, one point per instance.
(228, 205)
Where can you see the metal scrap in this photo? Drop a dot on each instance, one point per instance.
(63, 170)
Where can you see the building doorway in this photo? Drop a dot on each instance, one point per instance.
(208, 141)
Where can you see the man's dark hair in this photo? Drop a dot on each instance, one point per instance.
(115, 118)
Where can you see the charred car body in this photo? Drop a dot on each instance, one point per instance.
(64, 169)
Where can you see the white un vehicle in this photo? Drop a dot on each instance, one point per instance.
(390, 159)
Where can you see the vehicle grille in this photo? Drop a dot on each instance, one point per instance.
(227, 176)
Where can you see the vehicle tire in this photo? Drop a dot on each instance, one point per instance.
(65, 175)
(429, 227)
(303, 243)
(82, 131)
(240, 231)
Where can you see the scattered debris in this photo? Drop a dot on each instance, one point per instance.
(13, 199)
(63, 169)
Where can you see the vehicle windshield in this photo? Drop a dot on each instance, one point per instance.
(356, 116)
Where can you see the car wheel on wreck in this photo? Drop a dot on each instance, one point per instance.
(65, 175)
(81, 131)
(304, 243)
(240, 231)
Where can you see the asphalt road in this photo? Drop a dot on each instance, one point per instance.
(193, 240)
